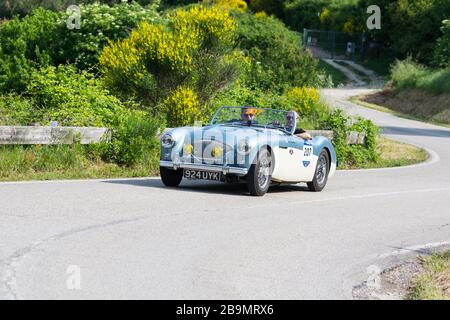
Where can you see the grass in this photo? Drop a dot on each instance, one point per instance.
(362, 100)
(18, 163)
(409, 74)
(337, 76)
(65, 162)
(364, 77)
(433, 283)
(394, 154)
(380, 66)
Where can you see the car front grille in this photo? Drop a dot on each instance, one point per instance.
(203, 150)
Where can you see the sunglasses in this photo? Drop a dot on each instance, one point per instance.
(290, 118)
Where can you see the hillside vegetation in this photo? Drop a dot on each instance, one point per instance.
(138, 67)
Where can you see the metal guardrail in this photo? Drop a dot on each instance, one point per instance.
(10, 135)
(52, 135)
(353, 137)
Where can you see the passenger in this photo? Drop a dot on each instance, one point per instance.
(299, 132)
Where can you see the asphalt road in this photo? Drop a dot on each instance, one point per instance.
(133, 238)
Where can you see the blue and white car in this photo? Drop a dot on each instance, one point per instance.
(256, 146)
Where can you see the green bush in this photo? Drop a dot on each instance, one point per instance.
(10, 8)
(339, 15)
(134, 140)
(299, 14)
(406, 73)
(409, 74)
(100, 24)
(278, 60)
(73, 98)
(416, 24)
(42, 39)
(408, 27)
(270, 7)
(15, 110)
(441, 58)
(25, 44)
(351, 155)
(169, 3)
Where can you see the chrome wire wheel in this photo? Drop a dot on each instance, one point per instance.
(264, 171)
(322, 167)
(321, 174)
(260, 173)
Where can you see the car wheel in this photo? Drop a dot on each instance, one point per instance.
(321, 174)
(171, 178)
(260, 174)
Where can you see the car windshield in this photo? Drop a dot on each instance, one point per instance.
(256, 117)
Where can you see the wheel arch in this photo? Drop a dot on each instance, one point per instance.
(329, 156)
(272, 155)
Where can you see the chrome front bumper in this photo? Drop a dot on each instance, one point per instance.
(206, 167)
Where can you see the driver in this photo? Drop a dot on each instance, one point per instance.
(248, 114)
(299, 132)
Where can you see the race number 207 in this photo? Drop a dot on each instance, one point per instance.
(256, 309)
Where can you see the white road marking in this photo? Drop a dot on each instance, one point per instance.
(361, 196)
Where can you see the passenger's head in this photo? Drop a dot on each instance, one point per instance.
(291, 118)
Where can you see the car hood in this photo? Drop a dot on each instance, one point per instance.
(223, 133)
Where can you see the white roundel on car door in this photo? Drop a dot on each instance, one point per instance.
(307, 154)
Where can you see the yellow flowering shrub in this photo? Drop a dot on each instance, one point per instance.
(240, 5)
(304, 100)
(325, 16)
(350, 27)
(204, 25)
(182, 107)
(165, 54)
(121, 61)
(260, 15)
(163, 49)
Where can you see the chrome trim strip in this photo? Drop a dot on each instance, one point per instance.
(207, 167)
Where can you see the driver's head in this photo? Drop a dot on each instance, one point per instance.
(248, 113)
(291, 118)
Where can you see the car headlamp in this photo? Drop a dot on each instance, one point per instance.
(243, 147)
(216, 152)
(188, 149)
(167, 141)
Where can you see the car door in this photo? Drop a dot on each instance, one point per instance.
(294, 160)
(288, 156)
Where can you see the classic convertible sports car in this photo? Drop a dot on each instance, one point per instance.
(246, 144)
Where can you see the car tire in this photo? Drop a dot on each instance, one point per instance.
(260, 173)
(170, 177)
(321, 174)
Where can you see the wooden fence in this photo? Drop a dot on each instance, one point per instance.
(52, 135)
